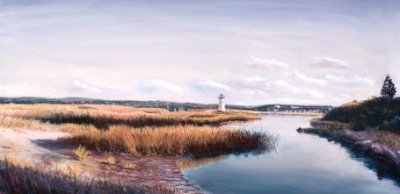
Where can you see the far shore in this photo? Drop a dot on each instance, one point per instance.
(292, 113)
(285, 113)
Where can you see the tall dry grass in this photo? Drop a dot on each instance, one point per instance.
(21, 180)
(103, 116)
(103, 121)
(171, 140)
(139, 131)
(12, 122)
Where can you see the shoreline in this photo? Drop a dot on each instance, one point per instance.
(359, 141)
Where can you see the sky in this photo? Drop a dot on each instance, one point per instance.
(254, 52)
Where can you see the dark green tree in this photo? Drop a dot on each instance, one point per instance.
(388, 89)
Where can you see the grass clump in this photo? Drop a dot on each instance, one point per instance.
(171, 140)
(80, 153)
(127, 165)
(110, 160)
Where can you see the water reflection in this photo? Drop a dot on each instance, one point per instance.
(189, 163)
(302, 163)
(192, 161)
(186, 164)
(382, 168)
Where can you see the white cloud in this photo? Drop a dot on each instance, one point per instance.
(314, 93)
(81, 86)
(254, 79)
(309, 80)
(327, 62)
(266, 63)
(209, 85)
(158, 85)
(281, 88)
(277, 84)
(351, 80)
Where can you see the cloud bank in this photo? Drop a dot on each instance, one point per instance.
(254, 52)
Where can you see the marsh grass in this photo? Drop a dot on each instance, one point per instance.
(104, 116)
(18, 162)
(139, 131)
(21, 180)
(167, 119)
(12, 122)
(171, 140)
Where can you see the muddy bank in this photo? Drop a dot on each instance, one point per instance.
(384, 154)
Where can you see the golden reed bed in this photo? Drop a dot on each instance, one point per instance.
(139, 131)
(170, 140)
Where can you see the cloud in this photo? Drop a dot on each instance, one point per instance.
(351, 80)
(310, 80)
(158, 85)
(282, 88)
(81, 86)
(254, 79)
(73, 41)
(209, 85)
(326, 62)
(266, 63)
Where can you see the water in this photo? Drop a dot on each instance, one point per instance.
(302, 163)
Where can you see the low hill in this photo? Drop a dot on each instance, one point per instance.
(376, 112)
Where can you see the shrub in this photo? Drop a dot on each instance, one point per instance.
(359, 126)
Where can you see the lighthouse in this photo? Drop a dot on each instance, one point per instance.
(221, 104)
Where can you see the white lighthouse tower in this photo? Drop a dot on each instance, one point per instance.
(221, 104)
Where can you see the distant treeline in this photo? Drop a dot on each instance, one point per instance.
(161, 104)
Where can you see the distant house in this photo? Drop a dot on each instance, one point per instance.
(294, 107)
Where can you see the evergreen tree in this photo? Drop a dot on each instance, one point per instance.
(388, 89)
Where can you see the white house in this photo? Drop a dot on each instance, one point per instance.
(221, 104)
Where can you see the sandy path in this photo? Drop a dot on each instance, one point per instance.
(28, 144)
